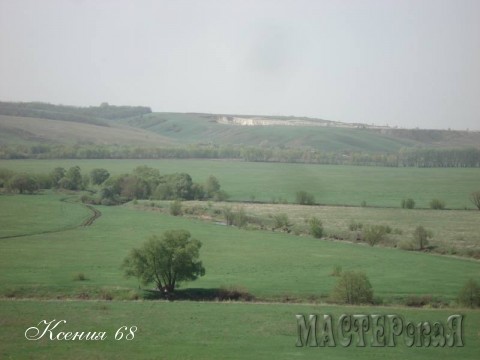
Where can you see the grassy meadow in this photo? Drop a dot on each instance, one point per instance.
(44, 248)
(27, 215)
(270, 265)
(192, 330)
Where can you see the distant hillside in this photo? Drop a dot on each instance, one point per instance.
(91, 115)
(33, 123)
(296, 132)
(30, 131)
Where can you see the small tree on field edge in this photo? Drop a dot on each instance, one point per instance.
(281, 221)
(421, 236)
(176, 208)
(470, 294)
(304, 198)
(475, 199)
(316, 227)
(23, 183)
(373, 234)
(408, 204)
(437, 204)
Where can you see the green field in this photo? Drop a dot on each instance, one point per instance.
(331, 184)
(270, 265)
(26, 215)
(188, 330)
(39, 271)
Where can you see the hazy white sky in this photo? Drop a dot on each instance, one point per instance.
(405, 63)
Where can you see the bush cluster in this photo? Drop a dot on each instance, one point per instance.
(437, 204)
(353, 288)
(408, 203)
(304, 198)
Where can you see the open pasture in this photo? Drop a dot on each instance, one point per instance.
(270, 265)
(26, 214)
(39, 272)
(189, 330)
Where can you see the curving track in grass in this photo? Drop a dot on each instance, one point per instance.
(95, 214)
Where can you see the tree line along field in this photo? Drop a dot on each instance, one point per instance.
(274, 182)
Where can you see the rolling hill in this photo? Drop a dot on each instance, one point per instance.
(30, 131)
(125, 125)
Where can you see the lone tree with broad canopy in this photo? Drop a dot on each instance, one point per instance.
(166, 260)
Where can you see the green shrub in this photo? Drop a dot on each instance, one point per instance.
(437, 204)
(418, 301)
(353, 288)
(220, 196)
(363, 203)
(316, 227)
(229, 215)
(470, 294)
(106, 295)
(234, 292)
(281, 221)
(133, 295)
(79, 277)
(408, 204)
(304, 198)
(240, 218)
(354, 226)
(405, 244)
(176, 208)
(373, 234)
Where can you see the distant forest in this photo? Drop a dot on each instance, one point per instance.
(407, 157)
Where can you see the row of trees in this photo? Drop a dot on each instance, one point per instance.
(469, 157)
(147, 183)
(143, 183)
(59, 178)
